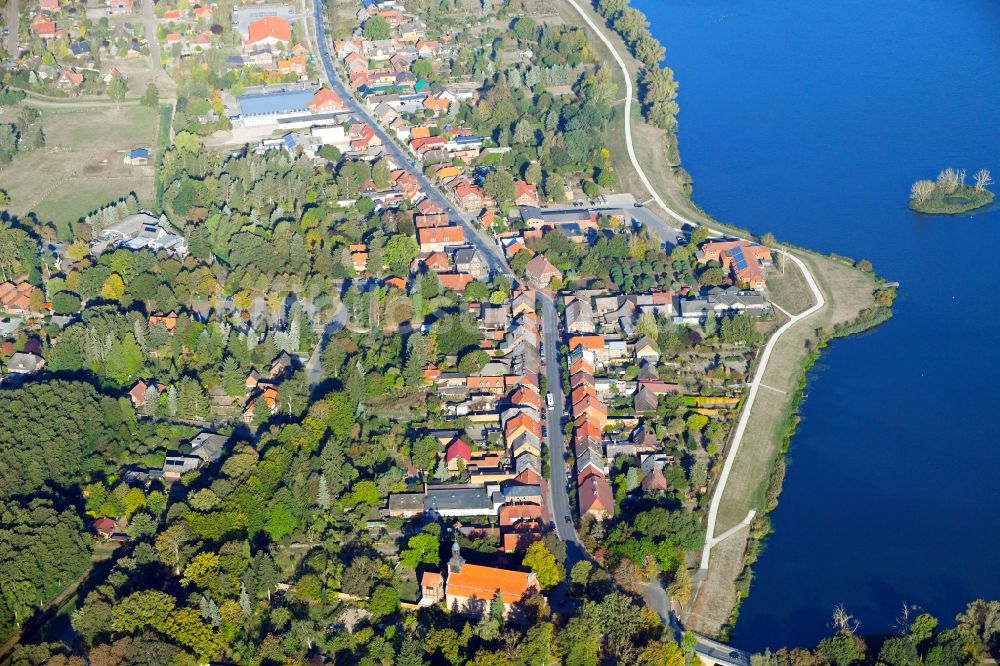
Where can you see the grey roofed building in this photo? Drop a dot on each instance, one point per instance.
(140, 231)
(648, 371)
(580, 316)
(406, 504)
(513, 412)
(645, 437)
(591, 458)
(645, 401)
(522, 493)
(25, 363)
(604, 304)
(526, 461)
(654, 461)
(464, 256)
(523, 299)
(494, 317)
(459, 501)
(413, 25)
(626, 326)
(176, 466)
(392, 100)
(385, 113)
(723, 301)
(208, 445)
(444, 435)
(525, 439)
(496, 368)
(646, 348)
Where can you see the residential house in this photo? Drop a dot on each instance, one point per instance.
(721, 302)
(103, 528)
(745, 260)
(79, 48)
(436, 239)
(647, 397)
(70, 79)
(137, 394)
(208, 446)
(16, 298)
(579, 316)
(25, 363)
(458, 455)
(282, 366)
(468, 260)
(654, 482)
(456, 282)
(469, 196)
(43, 26)
(167, 321)
(647, 350)
(595, 496)
(525, 194)
(541, 270)
(359, 257)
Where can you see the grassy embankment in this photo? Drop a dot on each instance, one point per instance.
(80, 168)
(759, 469)
(850, 307)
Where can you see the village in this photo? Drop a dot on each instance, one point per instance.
(391, 218)
(492, 478)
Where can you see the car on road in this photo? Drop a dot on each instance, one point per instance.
(549, 401)
(569, 520)
(638, 204)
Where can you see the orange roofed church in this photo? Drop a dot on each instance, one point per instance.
(470, 588)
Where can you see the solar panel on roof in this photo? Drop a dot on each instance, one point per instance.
(739, 258)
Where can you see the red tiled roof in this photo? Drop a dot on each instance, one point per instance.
(270, 27)
(458, 449)
(479, 582)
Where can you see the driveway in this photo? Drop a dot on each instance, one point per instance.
(10, 43)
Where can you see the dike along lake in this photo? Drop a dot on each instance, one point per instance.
(811, 120)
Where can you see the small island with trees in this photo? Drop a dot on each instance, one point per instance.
(950, 195)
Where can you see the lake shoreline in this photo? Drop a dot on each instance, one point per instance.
(849, 292)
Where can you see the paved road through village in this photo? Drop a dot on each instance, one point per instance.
(555, 440)
(473, 235)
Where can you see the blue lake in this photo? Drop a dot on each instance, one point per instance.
(811, 120)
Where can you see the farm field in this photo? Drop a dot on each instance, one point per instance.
(81, 166)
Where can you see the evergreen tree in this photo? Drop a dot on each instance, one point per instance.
(411, 653)
(417, 356)
(233, 380)
(323, 499)
(172, 400)
(245, 604)
(139, 330)
(151, 402)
